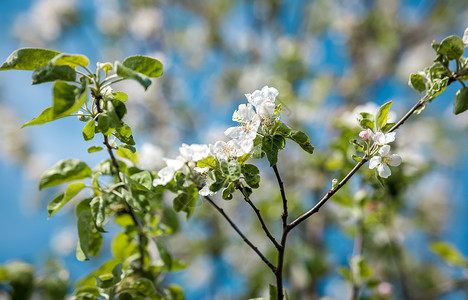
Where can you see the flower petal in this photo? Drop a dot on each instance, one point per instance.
(389, 137)
(384, 170)
(394, 160)
(384, 150)
(374, 162)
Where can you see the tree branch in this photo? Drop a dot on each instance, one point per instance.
(246, 240)
(260, 218)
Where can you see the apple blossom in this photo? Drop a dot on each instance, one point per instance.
(264, 101)
(227, 151)
(365, 134)
(383, 161)
(246, 132)
(383, 138)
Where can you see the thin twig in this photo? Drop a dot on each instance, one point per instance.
(260, 218)
(246, 240)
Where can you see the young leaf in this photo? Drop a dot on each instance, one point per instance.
(145, 287)
(382, 115)
(449, 254)
(60, 200)
(148, 66)
(271, 145)
(125, 72)
(88, 131)
(71, 60)
(186, 200)
(302, 140)
(251, 175)
(460, 103)
(68, 98)
(98, 211)
(416, 81)
(52, 73)
(84, 230)
(165, 255)
(28, 59)
(452, 46)
(128, 154)
(47, 115)
(228, 191)
(65, 171)
(234, 170)
(208, 162)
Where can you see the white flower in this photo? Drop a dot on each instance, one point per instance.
(465, 36)
(383, 138)
(166, 174)
(246, 132)
(194, 152)
(226, 151)
(264, 101)
(383, 161)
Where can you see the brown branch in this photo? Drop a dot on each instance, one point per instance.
(260, 218)
(246, 240)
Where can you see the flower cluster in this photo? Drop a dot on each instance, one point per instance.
(384, 159)
(258, 114)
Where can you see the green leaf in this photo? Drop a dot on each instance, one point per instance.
(68, 98)
(382, 115)
(93, 149)
(89, 130)
(417, 82)
(28, 59)
(84, 229)
(282, 129)
(86, 293)
(60, 200)
(186, 200)
(128, 154)
(46, 116)
(356, 158)
(208, 162)
(98, 211)
(71, 60)
(228, 191)
(148, 66)
(438, 86)
(251, 175)
(302, 140)
(449, 254)
(123, 246)
(106, 67)
(165, 255)
(120, 96)
(257, 152)
(65, 171)
(460, 103)
(234, 170)
(50, 72)
(452, 46)
(125, 72)
(271, 145)
(175, 292)
(145, 287)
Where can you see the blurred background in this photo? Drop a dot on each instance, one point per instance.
(329, 59)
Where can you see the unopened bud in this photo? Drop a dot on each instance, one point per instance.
(365, 135)
(82, 117)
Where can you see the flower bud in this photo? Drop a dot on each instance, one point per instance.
(365, 135)
(82, 117)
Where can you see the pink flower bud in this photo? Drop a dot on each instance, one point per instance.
(365, 135)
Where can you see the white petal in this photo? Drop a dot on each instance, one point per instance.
(233, 132)
(465, 36)
(266, 109)
(394, 160)
(201, 170)
(379, 138)
(384, 150)
(389, 137)
(205, 191)
(374, 162)
(384, 170)
(165, 175)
